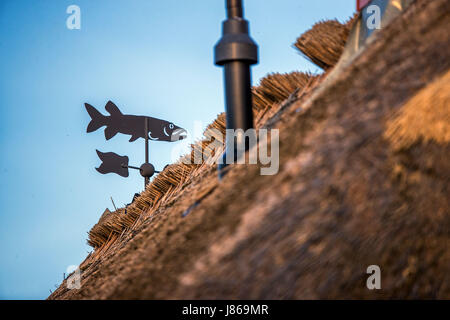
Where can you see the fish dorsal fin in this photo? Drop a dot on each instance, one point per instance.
(112, 109)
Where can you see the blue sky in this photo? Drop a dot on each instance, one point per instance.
(149, 57)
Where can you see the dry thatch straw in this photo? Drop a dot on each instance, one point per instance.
(102, 231)
(276, 87)
(115, 222)
(425, 117)
(324, 43)
(213, 132)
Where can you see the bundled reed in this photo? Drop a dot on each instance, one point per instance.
(276, 87)
(324, 43)
(101, 232)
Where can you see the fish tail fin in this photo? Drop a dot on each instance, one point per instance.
(98, 120)
(101, 168)
(100, 154)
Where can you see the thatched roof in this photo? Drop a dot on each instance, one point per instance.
(363, 180)
(324, 43)
(276, 87)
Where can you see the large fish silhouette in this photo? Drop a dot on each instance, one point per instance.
(113, 163)
(117, 122)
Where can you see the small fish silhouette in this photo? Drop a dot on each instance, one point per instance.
(117, 122)
(113, 163)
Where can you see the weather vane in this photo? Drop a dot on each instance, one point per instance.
(137, 127)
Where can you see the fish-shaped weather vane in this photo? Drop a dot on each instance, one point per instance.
(117, 122)
(145, 127)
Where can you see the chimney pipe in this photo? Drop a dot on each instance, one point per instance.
(236, 52)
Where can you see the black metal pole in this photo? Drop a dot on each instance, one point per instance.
(236, 51)
(140, 169)
(146, 179)
(238, 95)
(235, 9)
(131, 167)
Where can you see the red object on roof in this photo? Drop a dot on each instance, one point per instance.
(361, 4)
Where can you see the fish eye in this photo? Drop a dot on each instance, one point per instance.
(171, 126)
